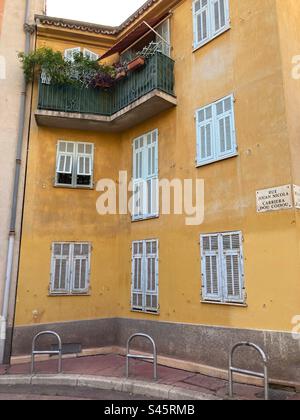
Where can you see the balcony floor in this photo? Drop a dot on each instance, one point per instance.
(137, 112)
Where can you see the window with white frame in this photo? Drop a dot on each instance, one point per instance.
(223, 267)
(216, 136)
(211, 18)
(144, 289)
(74, 164)
(70, 268)
(90, 55)
(145, 176)
(164, 37)
(71, 53)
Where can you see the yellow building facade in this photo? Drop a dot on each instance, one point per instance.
(249, 62)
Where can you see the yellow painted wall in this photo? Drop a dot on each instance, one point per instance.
(246, 61)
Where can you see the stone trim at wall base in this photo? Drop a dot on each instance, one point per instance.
(198, 346)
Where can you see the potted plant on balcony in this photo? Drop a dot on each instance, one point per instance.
(136, 63)
(102, 80)
(121, 71)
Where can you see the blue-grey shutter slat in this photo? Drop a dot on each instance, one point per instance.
(233, 267)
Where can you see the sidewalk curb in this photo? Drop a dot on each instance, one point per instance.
(146, 389)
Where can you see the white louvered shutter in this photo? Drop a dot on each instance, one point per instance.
(211, 272)
(233, 272)
(90, 55)
(145, 176)
(80, 268)
(65, 155)
(60, 270)
(151, 276)
(84, 167)
(139, 190)
(151, 157)
(70, 53)
(219, 15)
(225, 127)
(64, 164)
(201, 22)
(137, 290)
(85, 152)
(205, 135)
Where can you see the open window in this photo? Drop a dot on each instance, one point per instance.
(74, 165)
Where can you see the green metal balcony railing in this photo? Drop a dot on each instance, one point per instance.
(158, 73)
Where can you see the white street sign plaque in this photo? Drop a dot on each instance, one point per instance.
(275, 199)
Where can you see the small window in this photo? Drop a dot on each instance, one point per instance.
(70, 268)
(211, 18)
(71, 53)
(74, 164)
(144, 290)
(216, 137)
(90, 55)
(145, 176)
(222, 268)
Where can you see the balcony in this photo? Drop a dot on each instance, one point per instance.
(143, 94)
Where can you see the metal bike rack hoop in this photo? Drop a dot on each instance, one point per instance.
(140, 356)
(46, 352)
(233, 370)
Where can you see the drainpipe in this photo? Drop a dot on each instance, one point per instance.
(13, 217)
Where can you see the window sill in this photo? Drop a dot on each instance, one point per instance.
(70, 187)
(53, 295)
(139, 311)
(200, 165)
(144, 219)
(236, 305)
(196, 48)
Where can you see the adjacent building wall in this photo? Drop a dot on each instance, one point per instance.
(12, 40)
(2, 4)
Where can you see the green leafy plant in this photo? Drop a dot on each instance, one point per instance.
(81, 71)
(47, 60)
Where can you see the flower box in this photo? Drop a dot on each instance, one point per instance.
(136, 63)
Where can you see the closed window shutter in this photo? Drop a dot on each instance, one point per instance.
(60, 272)
(225, 130)
(201, 22)
(137, 291)
(90, 55)
(151, 155)
(151, 279)
(145, 176)
(219, 15)
(233, 267)
(205, 135)
(80, 268)
(138, 179)
(70, 53)
(211, 272)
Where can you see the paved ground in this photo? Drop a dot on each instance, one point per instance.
(49, 393)
(114, 366)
